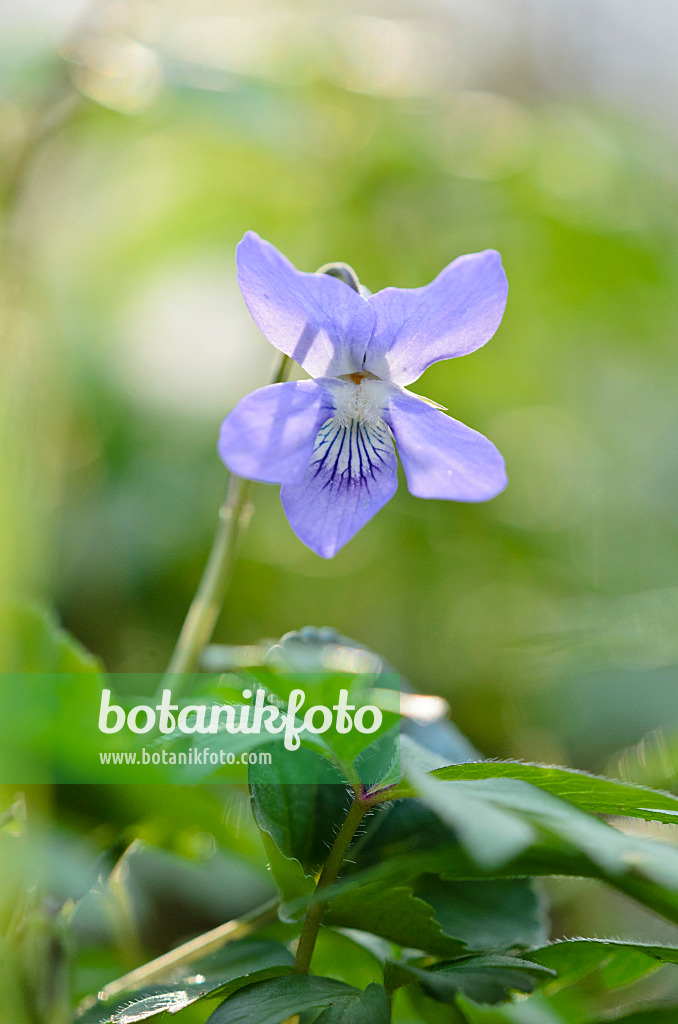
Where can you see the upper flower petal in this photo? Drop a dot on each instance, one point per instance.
(453, 315)
(352, 474)
(441, 457)
(316, 319)
(270, 434)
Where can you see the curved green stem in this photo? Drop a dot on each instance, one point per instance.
(234, 516)
(328, 875)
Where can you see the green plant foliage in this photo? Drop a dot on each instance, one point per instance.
(370, 1005)
(356, 957)
(39, 644)
(659, 1015)
(588, 792)
(272, 1001)
(130, 166)
(434, 891)
(497, 914)
(618, 963)
(300, 818)
(498, 820)
(393, 913)
(223, 973)
(488, 978)
(292, 881)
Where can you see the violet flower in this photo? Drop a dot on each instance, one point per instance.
(329, 440)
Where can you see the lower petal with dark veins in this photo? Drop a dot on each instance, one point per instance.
(351, 475)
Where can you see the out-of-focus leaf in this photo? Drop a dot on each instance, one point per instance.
(50, 689)
(490, 978)
(208, 890)
(33, 641)
(657, 1015)
(620, 963)
(224, 972)
(13, 984)
(356, 958)
(652, 761)
(273, 1001)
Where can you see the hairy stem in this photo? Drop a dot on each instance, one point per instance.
(234, 516)
(309, 933)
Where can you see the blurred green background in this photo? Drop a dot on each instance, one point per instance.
(138, 141)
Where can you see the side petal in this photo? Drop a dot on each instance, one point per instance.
(352, 474)
(451, 316)
(316, 319)
(270, 434)
(441, 457)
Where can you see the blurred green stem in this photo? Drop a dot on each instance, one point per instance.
(234, 516)
(201, 946)
(204, 611)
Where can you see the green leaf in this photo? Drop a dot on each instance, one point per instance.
(588, 792)
(294, 884)
(271, 1002)
(394, 913)
(358, 959)
(33, 641)
(301, 818)
(646, 870)
(490, 833)
(494, 914)
(490, 978)
(50, 691)
(469, 806)
(12, 982)
(620, 963)
(224, 972)
(657, 1015)
(368, 1007)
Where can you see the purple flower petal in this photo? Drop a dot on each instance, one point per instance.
(270, 434)
(451, 316)
(441, 457)
(317, 320)
(352, 474)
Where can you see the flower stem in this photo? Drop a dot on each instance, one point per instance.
(234, 516)
(205, 607)
(309, 933)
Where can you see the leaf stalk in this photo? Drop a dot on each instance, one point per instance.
(362, 803)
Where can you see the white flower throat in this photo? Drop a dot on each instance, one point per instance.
(363, 401)
(354, 445)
